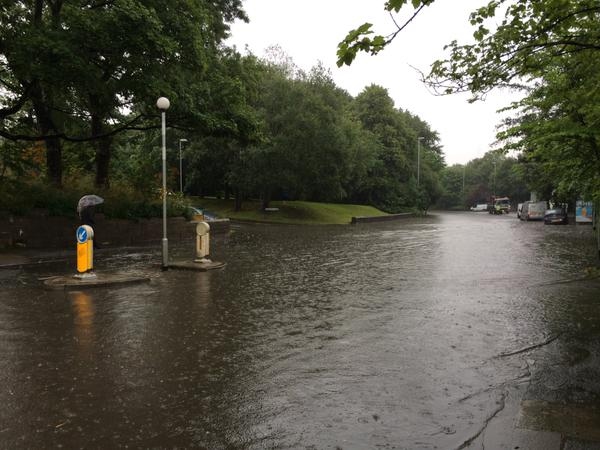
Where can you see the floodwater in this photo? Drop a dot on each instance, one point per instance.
(405, 334)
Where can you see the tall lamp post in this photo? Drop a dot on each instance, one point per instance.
(494, 179)
(180, 166)
(419, 139)
(163, 104)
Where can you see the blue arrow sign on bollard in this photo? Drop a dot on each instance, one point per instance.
(82, 235)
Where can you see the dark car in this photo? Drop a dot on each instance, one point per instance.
(556, 216)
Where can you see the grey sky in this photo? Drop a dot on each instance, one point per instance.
(309, 31)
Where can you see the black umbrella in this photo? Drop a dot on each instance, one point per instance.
(88, 200)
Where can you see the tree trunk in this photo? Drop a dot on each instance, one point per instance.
(103, 154)
(265, 199)
(238, 200)
(103, 150)
(54, 161)
(41, 105)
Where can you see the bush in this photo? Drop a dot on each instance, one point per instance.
(121, 201)
(21, 198)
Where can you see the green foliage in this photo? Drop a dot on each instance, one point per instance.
(64, 65)
(259, 129)
(453, 195)
(532, 34)
(359, 40)
(319, 144)
(391, 177)
(122, 201)
(549, 49)
(13, 162)
(555, 129)
(23, 197)
(493, 174)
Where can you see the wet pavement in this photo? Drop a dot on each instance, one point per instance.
(453, 331)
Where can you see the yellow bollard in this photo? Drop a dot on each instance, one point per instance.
(85, 249)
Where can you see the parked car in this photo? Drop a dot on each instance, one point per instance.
(556, 216)
(533, 211)
(479, 207)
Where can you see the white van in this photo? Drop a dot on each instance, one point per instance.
(533, 210)
(479, 207)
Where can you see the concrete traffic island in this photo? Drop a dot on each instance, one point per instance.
(92, 280)
(200, 266)
(86, 277)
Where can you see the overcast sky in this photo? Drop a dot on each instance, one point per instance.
(309, 31)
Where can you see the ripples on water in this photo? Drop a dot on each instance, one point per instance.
(312, 336)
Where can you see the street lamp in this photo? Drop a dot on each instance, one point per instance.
(494, 179)
(180, 166)
(163, 104)
(419, 139)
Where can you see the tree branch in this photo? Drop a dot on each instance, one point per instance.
(5, 112)
(125, 126)
(399, 29)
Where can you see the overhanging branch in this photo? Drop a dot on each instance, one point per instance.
(130, 125)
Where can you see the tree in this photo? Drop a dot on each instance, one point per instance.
(392, 178)
(452, 196)
(306, 153)
(84, 82)
(531, 33)
(548, 49)
(555, 129)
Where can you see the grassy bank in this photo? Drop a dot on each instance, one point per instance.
(296, 212)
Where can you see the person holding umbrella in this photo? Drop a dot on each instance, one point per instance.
(86, 210)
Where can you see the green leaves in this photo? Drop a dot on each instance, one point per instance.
(358, 40)
(396, 5)
(550, 49)
(532, 34)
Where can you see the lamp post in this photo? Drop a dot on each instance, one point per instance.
(163, 104)
(180, 166)
(494, 179)
(419, 139)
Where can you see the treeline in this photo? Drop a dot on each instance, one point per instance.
(78, 93)
(318, 143)
(78, 110)
(494, 174)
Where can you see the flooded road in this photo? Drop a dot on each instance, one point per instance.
(409, 334)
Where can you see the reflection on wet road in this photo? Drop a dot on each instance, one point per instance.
(396, 335)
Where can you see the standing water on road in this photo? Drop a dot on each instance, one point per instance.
(390, 335)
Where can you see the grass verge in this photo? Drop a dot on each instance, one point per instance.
(296, 212)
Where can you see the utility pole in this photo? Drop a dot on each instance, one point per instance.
(181, 166)
(419, 139)
(494, 187)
